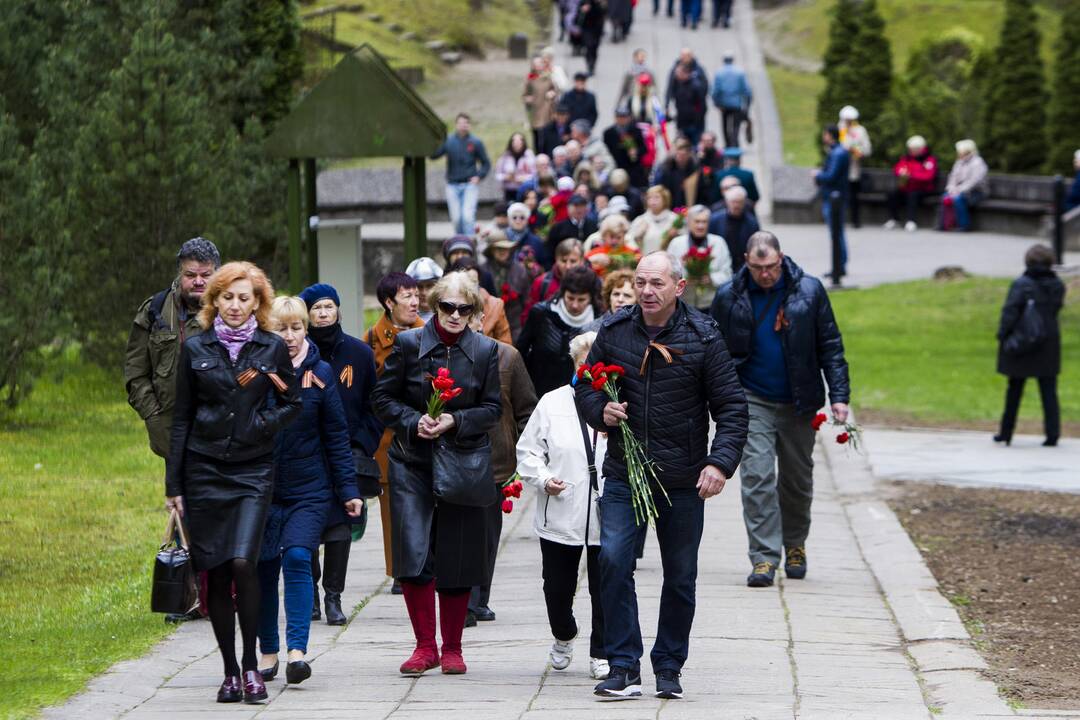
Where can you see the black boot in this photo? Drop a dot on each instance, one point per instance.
(316, 614)
(335, 565)
(316, 573)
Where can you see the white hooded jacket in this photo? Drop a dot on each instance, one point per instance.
(552, 447)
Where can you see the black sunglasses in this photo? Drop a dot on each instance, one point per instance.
(462, 310)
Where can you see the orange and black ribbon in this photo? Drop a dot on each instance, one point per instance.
(246, 377)
(665, 352)
(310, 378)
(781, 321)
(346, 376)
(278, 382)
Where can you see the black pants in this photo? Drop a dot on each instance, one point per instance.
(732, 120)
(909, 200)
(481, 594)
(1051, 410)
(854, 186)
(670, 7)
(721, 12)
(560, 583)
(591, 49)
(336, 564)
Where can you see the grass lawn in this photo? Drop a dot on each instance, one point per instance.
(81, 513)
(925, 352)
(803, 30)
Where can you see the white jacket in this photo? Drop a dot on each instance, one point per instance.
(552, 447)
(719, 260)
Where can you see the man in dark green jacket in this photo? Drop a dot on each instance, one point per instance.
(162, 324)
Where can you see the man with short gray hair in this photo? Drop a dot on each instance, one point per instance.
(735, 223)
(677, 367)
(780, 329)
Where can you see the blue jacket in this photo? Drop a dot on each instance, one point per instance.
(353, 364)
(834, 176)
(1073, 198)
(465, 158)
(730, 88)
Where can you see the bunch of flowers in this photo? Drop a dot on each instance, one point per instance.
(639, 468)
(680, 217)
(443, 391)
(850, 435)
(510, 489)
(509, 294)
(696, 262)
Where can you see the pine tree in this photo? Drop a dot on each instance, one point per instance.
(870, 65)
(1014, 111)
(835, 68)
(1063, 130)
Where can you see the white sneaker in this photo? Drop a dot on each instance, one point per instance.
(561, 654)
(889, 225)
(910, 226)
(598, 668)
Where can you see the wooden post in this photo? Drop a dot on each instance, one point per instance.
(292, 219)
(311, 210)
(414, 194)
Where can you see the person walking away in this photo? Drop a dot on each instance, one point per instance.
(697, 384)
(701, 289)
(689, 91)
(399, 297)
(966, 185)
(440, 546)
(856, 140)
(518, 401)
(467, 164)
(560, 456)
(781, 331)
(353, 364)
(544, 343)
(539, 97)
(314, 471)
(1039, 289)
(916, 178)
(833, 179)
(732, 96)
(721, 13)
(735, 224)
(162, 324)
(235, 390)
(592, 14)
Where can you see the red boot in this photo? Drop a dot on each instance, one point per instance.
(420, 601)
(452, 610)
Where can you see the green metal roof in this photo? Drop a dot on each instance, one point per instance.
(361, 109)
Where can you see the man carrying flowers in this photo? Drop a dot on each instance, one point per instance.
(674, 373)
(780, 329)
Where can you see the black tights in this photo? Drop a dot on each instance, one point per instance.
(238, 573)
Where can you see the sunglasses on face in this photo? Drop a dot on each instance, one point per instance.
(450, 308)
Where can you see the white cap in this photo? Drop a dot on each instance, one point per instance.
(848, 112)
(423, 269)
(916, 143)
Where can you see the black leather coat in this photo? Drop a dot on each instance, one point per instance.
(214, 416)
(811, 337)
(670, 404)
(1049, 294)
(544, 344)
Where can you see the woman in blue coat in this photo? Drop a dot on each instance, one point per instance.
(314, 473)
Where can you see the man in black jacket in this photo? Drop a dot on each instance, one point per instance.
(580, 102)
(577, 224)
(735, 224)
(780, 329)
(678, 375)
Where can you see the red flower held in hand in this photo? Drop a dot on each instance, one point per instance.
(818, 421)
(842, 438)
(598, 383)
(507, 490)
(508, 506)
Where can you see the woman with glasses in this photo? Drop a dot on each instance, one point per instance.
(439, 547)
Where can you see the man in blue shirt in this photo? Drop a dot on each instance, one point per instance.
(834, 177)
(781, 332)
(732, 95)
(467, 164)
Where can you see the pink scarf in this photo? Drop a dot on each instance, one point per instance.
(232, 338)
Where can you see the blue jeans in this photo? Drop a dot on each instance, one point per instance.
(690, 11)
(962, 204)
(678, 530)
(296, 566)
(825, 213)
(461, 199)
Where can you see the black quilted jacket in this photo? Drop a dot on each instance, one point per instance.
(811, 338)
(670, 404)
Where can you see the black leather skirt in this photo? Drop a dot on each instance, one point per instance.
(226, 505)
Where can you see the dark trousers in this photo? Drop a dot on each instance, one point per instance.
(731, 119)
(854, 187)
(670, 7)
(1051, 410)
(561, 564)
(481, 594)
(690, 12)
(721, 12)
(678, 530)
(692, 131)
(591, 50)
(909, 200)
(334, 567)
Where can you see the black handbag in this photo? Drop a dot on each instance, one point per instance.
(367, 475)
(1027, 334)
(461, 475)
(174, 589)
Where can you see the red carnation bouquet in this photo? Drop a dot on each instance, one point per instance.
(443, 391)
(696, 262)
(511, 490)
(851, 435)
(639, 468)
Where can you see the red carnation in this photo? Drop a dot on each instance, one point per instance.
(598, 383)
(508, 506)
(443, 372)
(582, 369)
(614, 370)
(818, 421)
(842, 438)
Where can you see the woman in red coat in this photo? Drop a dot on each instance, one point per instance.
(916, 177)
